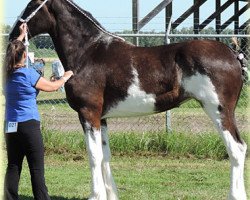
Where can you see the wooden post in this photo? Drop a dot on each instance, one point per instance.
(168, 14)
(196, 18)
(236, 21)
(135, 20)
(218, 19)
(168, 113)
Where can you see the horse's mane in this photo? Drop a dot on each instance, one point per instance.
(91, 18)
(87, 14)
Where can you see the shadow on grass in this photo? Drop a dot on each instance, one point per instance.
(22, 197)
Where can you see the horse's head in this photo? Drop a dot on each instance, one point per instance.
(41, 22)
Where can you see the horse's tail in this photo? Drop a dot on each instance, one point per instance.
(241, 58)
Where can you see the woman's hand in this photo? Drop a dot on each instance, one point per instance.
(23, 28)
(48, 86)
(67, 75)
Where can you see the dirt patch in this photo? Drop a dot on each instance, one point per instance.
(191, 122)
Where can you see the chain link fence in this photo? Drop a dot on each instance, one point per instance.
(188, 118)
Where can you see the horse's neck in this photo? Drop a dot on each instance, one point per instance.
(72, 38)
(70, 46)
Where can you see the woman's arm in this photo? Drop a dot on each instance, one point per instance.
(48, 86)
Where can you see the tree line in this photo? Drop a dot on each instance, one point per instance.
(46, 42)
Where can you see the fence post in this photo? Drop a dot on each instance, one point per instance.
(135, 20)
(168, 113)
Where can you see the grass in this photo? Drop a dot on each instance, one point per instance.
(174, 145)
(137, 177)
(152, 166)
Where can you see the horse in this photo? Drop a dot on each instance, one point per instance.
(114, 78)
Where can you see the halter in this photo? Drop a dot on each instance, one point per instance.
(26, 43)
(33, 13)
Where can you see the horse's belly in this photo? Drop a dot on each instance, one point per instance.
(133, 106)
(137, 102)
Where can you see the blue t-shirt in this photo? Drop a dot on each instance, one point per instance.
(21, 95)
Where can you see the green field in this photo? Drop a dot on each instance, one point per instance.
(137, 177)
(152, 166)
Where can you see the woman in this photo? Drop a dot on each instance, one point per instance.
(23, 134)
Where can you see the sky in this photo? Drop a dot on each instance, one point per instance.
(116, 15)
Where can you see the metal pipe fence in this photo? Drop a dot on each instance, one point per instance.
(56, 114)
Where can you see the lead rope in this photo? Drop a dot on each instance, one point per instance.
(26, 43)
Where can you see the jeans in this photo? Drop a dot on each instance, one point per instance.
(27, 141)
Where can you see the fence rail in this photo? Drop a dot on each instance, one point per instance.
(189, 118)
(164, 35)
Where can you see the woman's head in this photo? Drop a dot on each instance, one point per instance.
(15, 56)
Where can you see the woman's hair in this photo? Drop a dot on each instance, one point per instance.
(13, 56)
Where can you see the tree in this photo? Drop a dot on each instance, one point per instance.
(6, 28)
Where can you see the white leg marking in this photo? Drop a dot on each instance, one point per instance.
(236, 152)
(94, 147)
(201, 87)
(109, 182)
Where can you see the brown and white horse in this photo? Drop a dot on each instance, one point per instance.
(114, 78)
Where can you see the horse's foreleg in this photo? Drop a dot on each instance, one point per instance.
(106, 171)
(94, 147)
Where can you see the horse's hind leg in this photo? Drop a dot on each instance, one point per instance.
(221, 110)
(106, 171)
(236, 148)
